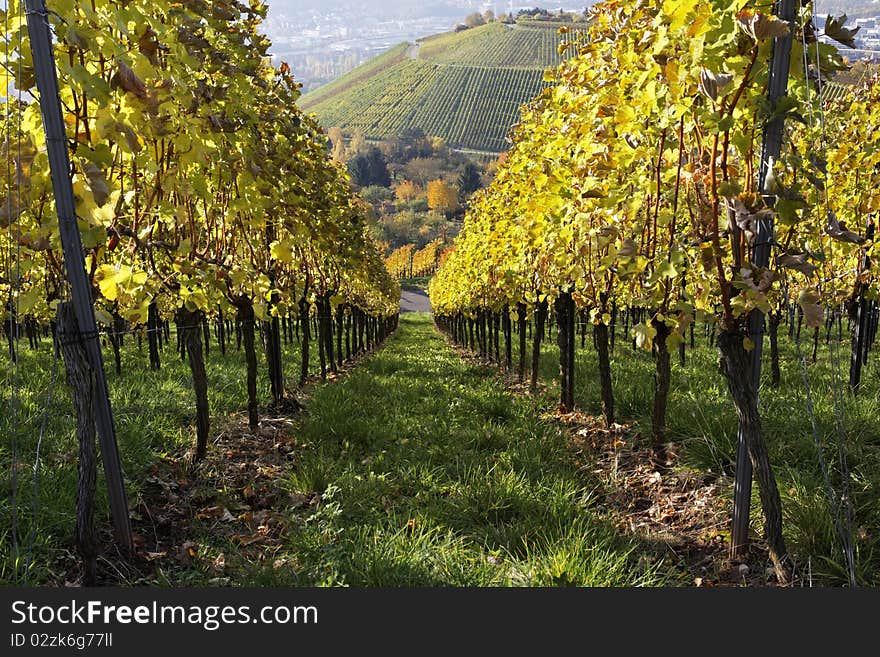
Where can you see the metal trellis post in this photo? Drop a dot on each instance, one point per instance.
(770, 150)
(81, 290)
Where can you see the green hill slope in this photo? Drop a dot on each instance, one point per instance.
(466, 87)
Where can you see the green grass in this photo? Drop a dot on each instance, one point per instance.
(423, 469)
(466, 87)
(415, 283)
(701, 419)
(431, 474)
(154, 415)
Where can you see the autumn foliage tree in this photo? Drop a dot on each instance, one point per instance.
(442, 197)
(407, 191)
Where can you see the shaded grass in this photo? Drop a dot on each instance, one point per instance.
(154, 415)
(702, 421)
(432, 474)
(415, 283)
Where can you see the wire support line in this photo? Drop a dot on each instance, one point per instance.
(15, 290)
(109, 333)
(839, 421)
(36, 468)
(836, 503)
(845, 506)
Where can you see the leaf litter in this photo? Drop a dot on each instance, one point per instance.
(187, 516)
(649, 495)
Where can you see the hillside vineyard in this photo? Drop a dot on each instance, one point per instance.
(635, 181)
(466, 87)
(583, 395)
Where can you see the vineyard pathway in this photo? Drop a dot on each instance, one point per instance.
(417, 467)
(414, 301)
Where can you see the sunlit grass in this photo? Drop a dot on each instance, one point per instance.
(702, 420)
(438, 476)
(154, 414)
(431, 472)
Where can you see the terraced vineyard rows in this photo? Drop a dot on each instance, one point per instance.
(465, 87)
(496, 44)
(475, 107)
(378, 109)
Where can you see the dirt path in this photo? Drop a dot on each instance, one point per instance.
(414, 301)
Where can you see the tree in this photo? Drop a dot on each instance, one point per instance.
(337, 144)
(370, 169)
(376, 195)
(469, 180)
(474, 20)
(442, 197)
(359, 169)
(378, 168)
(438, 147)
(401, 228)
(407, 191)
(421, 170)
(358, 144)
(409, 144)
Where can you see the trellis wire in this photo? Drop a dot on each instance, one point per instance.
(15, 288)
(36, 470)
(845, 537)
(840, 505)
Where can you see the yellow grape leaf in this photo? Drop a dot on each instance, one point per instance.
(698, 25)
(677, 12)
(108, 289)
(666, 270)
(139, 277)
(624, 115)
(108, 278)
(644, 335)
(281, 252)
(28, 300)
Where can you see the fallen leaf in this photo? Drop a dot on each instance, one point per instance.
(188, 551)
(247, 539)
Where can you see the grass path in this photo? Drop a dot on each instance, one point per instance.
(428, 472)
(416, 468)
(419, 467)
